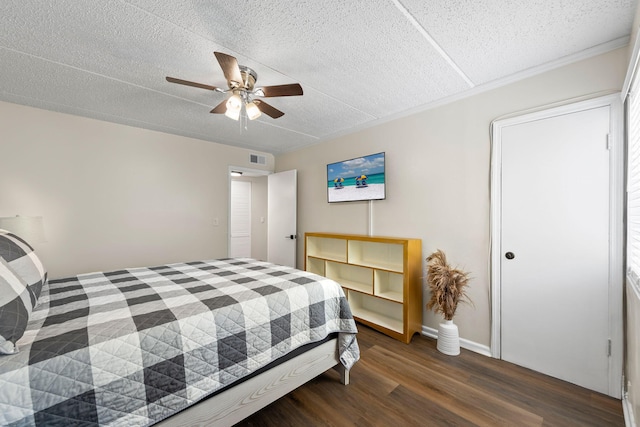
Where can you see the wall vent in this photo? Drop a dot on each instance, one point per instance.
(257, 160)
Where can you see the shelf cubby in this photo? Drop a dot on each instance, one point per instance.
(388, 285)
(327, 248)
(377, 311)
(377, 255)
(316, 265)
(350, 276)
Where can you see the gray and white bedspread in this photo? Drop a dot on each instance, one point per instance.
(133, 347)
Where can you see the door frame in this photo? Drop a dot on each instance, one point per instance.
(616, 224)
(249, 172)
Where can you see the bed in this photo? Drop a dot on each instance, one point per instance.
(205, 342)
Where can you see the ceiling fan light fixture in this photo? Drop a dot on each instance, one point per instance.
(234, 105)
(234, 102)
(232, 114)
(241, 82)
(253, 112)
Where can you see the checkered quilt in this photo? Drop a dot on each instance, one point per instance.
(133, 347)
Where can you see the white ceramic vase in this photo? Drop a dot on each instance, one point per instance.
(448, 338)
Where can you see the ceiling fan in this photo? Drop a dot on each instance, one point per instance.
(241, 81)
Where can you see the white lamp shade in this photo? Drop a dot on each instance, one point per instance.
(29, 228)
(253, 112)
(234, 102)
(233, 114)
(234, 105)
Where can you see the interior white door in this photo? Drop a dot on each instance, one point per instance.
(555, 246)
(240, 220)
(282, 214)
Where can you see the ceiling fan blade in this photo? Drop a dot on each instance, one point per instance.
(268, 109)
(293, 89)
(188, 83)
(220, 108)
(230, 68)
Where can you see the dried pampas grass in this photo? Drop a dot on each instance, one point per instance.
(447, 285)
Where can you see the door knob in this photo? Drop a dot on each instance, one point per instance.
(290, 236)
(509, 255)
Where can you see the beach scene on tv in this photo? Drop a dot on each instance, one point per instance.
(361, 178)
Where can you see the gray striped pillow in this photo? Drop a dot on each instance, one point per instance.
(22, 277)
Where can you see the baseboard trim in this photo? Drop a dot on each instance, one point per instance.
(627, 409)
(464, 343)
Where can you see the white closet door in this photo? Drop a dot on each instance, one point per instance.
(555, 246)
(240, 221)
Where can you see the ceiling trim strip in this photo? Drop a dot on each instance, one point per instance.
(433, 43)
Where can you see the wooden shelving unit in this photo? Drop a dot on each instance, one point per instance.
(379, 275)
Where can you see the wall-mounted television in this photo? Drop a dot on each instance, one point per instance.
(356, 179)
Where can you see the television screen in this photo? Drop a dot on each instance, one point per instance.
(356, 179)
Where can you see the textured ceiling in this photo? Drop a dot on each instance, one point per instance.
(359, 62)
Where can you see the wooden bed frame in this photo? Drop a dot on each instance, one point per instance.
(238, 402)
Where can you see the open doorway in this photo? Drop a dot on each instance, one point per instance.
(247, 213)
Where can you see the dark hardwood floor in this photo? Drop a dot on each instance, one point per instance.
(398, 385)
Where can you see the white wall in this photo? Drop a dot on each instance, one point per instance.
(438, 175)
(114, 196)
